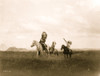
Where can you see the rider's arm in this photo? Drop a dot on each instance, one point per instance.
(65, 40)
(42, 41)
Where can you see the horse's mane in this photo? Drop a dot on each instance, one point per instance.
(63, 45)
(37, 44)
(34, 41)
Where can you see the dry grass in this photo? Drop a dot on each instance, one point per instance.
(27, 64)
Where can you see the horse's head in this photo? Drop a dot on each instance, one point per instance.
(62, 47)
(33, 43)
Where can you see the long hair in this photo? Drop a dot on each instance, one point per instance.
(44, 35)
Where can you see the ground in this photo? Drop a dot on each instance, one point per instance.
(82, 63)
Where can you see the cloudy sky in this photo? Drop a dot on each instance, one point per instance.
(22, 21)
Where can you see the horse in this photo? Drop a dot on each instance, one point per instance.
(66, 51)
(52, 49)
(39, 47)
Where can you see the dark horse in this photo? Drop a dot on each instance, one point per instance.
(66, 51)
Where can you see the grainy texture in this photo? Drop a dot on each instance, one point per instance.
(27, 64)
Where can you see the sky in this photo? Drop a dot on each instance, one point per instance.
(22, 21)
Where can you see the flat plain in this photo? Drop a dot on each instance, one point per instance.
(82, 63)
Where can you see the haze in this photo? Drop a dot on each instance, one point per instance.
(22, 21)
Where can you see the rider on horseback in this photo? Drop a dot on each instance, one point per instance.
(52, 48)
(69, 43)
(43, 40)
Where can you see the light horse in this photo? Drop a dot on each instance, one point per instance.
(66, 51)
(52, 49)
(39, 47)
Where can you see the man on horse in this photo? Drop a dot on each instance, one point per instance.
(52, 48)
(43, 40)
(68, 43)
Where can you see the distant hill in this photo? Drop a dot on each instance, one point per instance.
(16, 49)
(3, 47)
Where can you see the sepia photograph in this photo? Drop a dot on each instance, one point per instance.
(49, 38)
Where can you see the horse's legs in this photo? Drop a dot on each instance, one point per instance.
(64, 56)
(50, 53)
(57, 53)
(47, 52)
(37, 53)
(67, 55)
(41, 52)
(70, 55)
